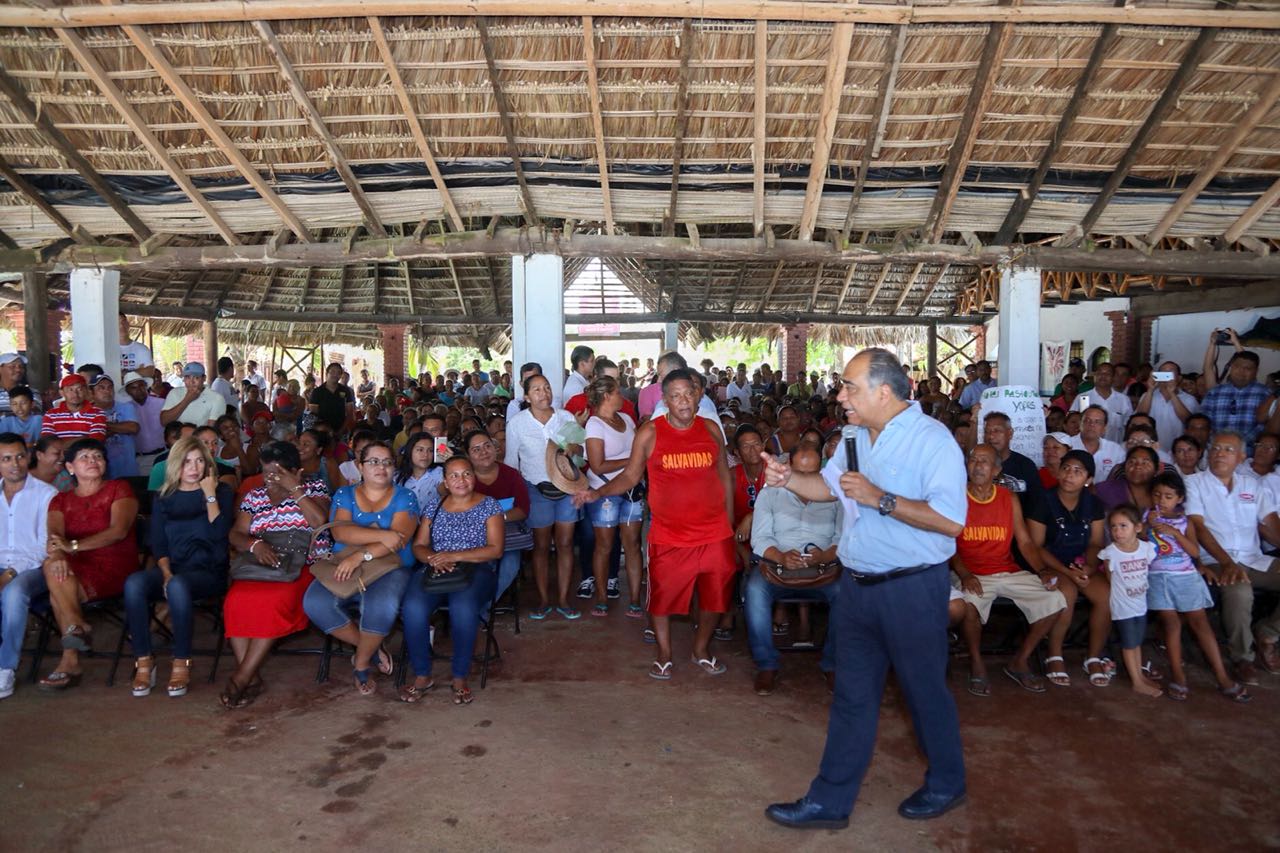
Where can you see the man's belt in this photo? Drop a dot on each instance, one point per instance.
(870, 579)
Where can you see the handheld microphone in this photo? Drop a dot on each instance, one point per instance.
(849, 433)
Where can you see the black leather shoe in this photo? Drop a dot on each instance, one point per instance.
(804, 813)
(923, 805)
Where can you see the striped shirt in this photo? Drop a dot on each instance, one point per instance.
(89, 422)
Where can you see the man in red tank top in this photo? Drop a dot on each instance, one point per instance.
(985, 569)
(691, 501)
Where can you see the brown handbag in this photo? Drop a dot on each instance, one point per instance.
(361, 579)
(819, 574)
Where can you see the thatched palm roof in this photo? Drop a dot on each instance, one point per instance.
(901, 142)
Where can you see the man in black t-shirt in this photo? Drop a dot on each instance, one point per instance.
(334, 403)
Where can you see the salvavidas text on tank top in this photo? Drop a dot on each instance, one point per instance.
(686, 496)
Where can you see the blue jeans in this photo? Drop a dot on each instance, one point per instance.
(15, 599)
(466, 608)
(508, 568)
(760, 596)
(143, 588)
(544, 512)
(378, 605)
(902, 622)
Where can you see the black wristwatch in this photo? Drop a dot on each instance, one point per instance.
(888, 503)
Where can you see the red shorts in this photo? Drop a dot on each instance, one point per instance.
(674, 574)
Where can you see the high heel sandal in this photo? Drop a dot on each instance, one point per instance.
(77, 638)
(179, 678)
(144, 676)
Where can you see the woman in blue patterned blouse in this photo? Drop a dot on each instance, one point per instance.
(463, 527)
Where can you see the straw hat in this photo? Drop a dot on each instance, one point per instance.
(564, 475)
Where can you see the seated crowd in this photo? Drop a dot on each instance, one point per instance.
(357, 510)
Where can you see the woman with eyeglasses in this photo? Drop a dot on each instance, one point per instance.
(464, 526)
(527, 436)
(92, 550)
(505, 485)
(374, 519)
(1067, 527)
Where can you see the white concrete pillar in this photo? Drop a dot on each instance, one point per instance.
(1019, 356)
(95, 319)
(537, 317)
(671, 337)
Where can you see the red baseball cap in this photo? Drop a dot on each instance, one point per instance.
(72, 379)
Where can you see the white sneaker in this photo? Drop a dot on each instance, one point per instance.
(6, 683)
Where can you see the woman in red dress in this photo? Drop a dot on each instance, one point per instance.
(92, 549)
(257, 613)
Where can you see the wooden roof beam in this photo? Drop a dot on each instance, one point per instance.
(80, 51)
(988, 70)
(508, 128)
(933, 285)
(844, 289)
(773, 285)
(44, 125)
(817, 285)
(408, 286)
(7, 241)
(415, 124)
(1168, 100)
(223, 11)
(911, 282)
(760, 142)
(597, 120)
(313, 117)
(682, 124)
(184, 93)
(29, 191)
(824, 133)
(1027, 196)
(875, 290)
(1253, 214)
(875, 134)
(1224, 152)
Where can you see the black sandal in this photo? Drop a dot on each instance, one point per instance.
(416, 693)
(234, 696)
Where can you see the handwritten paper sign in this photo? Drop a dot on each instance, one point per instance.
(1025, 409)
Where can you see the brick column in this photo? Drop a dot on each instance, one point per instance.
(395, 339)
(792, 350)
(979, 342)
(1144, 341)
(1124, 337)
(53, 320)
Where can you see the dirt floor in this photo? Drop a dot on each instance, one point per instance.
(572, 747)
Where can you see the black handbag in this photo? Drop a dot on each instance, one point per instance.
(291, 547)
(548, 490)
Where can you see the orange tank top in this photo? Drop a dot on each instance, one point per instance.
(984, 546)
(686, 496)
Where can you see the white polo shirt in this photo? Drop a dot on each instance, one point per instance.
(1109, 455)
(527, 443)
(24, 531)
(1232, 516)
(742, 395)
(1118, 410)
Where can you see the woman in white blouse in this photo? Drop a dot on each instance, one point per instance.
(527, 435)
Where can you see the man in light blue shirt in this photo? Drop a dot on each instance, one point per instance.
(891, 608)
(122, 428)
(972, 393)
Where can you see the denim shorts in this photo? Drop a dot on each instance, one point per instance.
(610, 512)
(1132, 631)
(1180, 591)
(544, 512)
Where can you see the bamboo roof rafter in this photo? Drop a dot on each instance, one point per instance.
(824, 133)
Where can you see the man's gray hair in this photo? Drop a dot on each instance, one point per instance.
(885, 369)
(1230, 433)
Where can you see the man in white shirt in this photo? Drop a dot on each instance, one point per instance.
(134, 355)
(191, 402)
(529, 368)
(24, 514)
(1168, 406)
(251, 374)
(224, 383)
(174, 377)
(1229, 508)
(1106, 453)
(1115, 402)
(740, 389)
(582, 363)
(819, 387)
